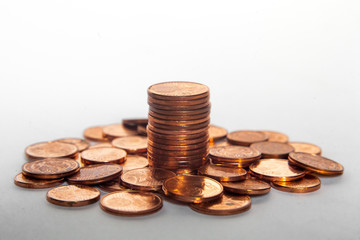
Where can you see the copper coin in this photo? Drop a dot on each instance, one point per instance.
(276, 136)
(234, 154)
(79, 160)
(273, 149)
(73, 195)
(181, 128)
(176, 164)
(155, 101)
(202, 139)
(179, 107)
(176, 137)
(50, 168)
(101, 145)
(246, 138)
(217, 133)
(81, 144)
(231, 164)
(177, 112)
(165, 158)
(247, 187)
(131, 144)
(117, 130)
(306, 148)
(95, 174)
(309, 183)
(203, 130)
(178, 147)
(179, 117)
(95, 134)
(223, 144)
(192, 189)
(226, 205)
(50, 150)
(316, 163)
(147, 179)
(131, 203)
(103, 155)
(112, 186)
(182, 153)
(223, 173)
(178, 123)
(141, 130)
(25, 182)
(178, 91)
(134, 123)
(134, 162)
(275, 170)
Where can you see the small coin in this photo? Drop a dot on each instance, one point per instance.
(81, 144)
(178, 91)
(217, 133)
(192, 189)
(50, 168)
(223, 173)
(309, 183)
(275, 170)
(25, 182)
(316, 163)
(228, 204)
(50, 150)
(112, 186)
(179, 117)
(234, 154)
(131, 144)
(101, 145)
(134, 123)
(95, 174)
(247, 187)
(134, 162)
(147, 179)
(131, 203)
(117, 130)
(246, 138)
(276, 136)
(273, 149)
(73, 195)
(95, 134)
(103, 155)
(306, 147)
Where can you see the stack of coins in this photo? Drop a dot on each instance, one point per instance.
(179, 117)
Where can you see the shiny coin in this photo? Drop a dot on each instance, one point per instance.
(73, 195)
(306, 148)
(202, 130)
(112, 186)
(103, 155)
(81, 144)
(202, 125)
(134, 162)
(179, 117)
(200, 151)
(178, 147)
(156, 101)
(178, 91)
(246, 138)
(178, 123)
(174, 108)
(95, 174)
(309, 183)
(50, 150)
(217, 133)
(25, 182)
(95, 134)
(273, 149)
(234, 154)
(134, 123)
(177, 112)
(276, 136)
(131, 144)
(101, 145)
(176, 137)
(199, 140)
(247, 187)
(117, 130)
(223, 173)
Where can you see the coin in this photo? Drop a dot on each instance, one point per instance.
(179, 142)
(247, 187)
(306, 147)
(131, 144)
(217, 133)
(223, 173)
(227, 205)
(316, 163)
(246, 138)
(178, 123)
(275, 170)
(134, 123)
(192, 189)
(117, 130)
(147, 179)
(101, 145)
(179, 117)
(134, 162)
(50, 150)
(178, 147)
(112, 186)
(95, 174)
(152, 101)
(141, 130)
(181, 128)
(50, 168)
(202, 130)
(199, 151)
(179, 107)
(81, 144)
(73, 195)
(176, 137)
(178, 112)
(103, 155)
(309, 183)
(131, 203)
(25, 182)
(276, 136)
(234, 154)
(273, 149)
(178, 91)
(95, 134)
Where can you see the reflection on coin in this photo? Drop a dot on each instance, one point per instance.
(103, 155)
(276, 136)
(134, 162)
(223, 173)
(306, 147)
(309, 183)
(95, 134)
(131, 144)
(217, 133)
(101, 145)
(50, 150)
(117, 130)
(273, 149)
(73, 195)
(95, 174)
(246, 138)
(247, 187)
(81, 144)
(178, 90)
(25, 182)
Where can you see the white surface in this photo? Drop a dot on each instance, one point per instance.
(291, 66)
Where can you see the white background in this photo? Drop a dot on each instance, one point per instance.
(289, 66)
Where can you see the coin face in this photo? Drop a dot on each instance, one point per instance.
(178, 90)
(228, 204)
(25, 182)
(95, 174)
(81, 144)
(134, 162)
(103, 155)
(95, 134)
(316, 163)
(217, 133)
(275, 170)
(248, 187)
(73, 195)
(306, 148)
(50, 150)
(117, 130)
(131, 144)
(50, 168)
(148, 179)
(131, 203)
(223, 173)
(309, 183)
(234, 153)
(273, 149)
(246, 138)
(276, 136)
(101, 145)
(192, 189)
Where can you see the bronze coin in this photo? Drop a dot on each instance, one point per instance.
(176, 137)
(276, 136)
(175, 164)
(181, 128)
(25, 182)
(273, 149)
(95, 174)
(50, 168)
(199, 151)
(223, 173)
(95, 134)
(199, 140)
(316, 163)
(309, 183)
(306, 148)
(247, 187)
(134, 162)
(226, 205)
(179, 107)
(192, 189)
(131, 203)
(141, 130)
(146, 179)
(169, 159)
(217, 133)
(176, 112)
(231, 164)
(134, 123)
(223, 144)
(178, 123)
(131, 144)
(117, 130)
(203, 131)
(81, 144)
(234, 154)
(271, 169)
(103, 155)
(178, 147)
(178, 91)
(73, 195)
(246, 138)
(101, 145)
(50, 150)
(112, 186)
(152, 100)
(79, 160)
(179, 117)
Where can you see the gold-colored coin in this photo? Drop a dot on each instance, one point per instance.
(134, 162)
(247, 187)
(309, 183)
(103, 155)
(117, 130)
(25, 182)
(50, 150)
(217, 133)
(81, 144)
(101, 145)
(273, 149)
(306, 148)
(95, 174)
(73, 195)
(223, 173)
(178, 91)
(95, 134)
(131, 144)
(276, 136)
(246, 138)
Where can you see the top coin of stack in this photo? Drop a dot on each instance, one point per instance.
(179, 117)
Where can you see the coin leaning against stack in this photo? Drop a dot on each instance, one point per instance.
(179, 118)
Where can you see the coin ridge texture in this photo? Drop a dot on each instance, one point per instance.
(248, 187)
(95, 174)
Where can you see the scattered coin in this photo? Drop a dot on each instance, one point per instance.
(101, 145)
(95, 174)
(273, 149)
(234, 155)
(134, 162)
(117, 130)
(73, 195)
(276, 136)
(95, 134)
(112, 186)
(246, 138)
(131, 144)
(134, 123)
(103, 155)
(81, 144)
(50, 150)
(217, 133)
(223, 173)
(247, 187)
(25, 182)
(306, 147)
(309, 183)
